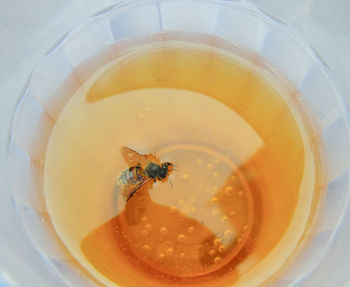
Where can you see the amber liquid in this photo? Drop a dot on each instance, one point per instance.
(246, 181)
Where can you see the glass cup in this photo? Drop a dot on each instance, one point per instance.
(59, 75)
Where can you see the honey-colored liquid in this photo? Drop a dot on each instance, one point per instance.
(241, 198)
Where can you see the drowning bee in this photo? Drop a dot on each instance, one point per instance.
(142, 169)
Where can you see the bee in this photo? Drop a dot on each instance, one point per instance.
(142, 170)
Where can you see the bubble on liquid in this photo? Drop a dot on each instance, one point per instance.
(199, 160)
(222, 248)
(146, 247)
(144, 232)
(215, 212)
(148, 227)
(233, 212)
(165, 248)
(228, 190)
(224, 218)
(227, 233)
(209, 165)
(173, 209)
(191, 229)
(213, 200)
(163, 231)
(212, 252)
(181, 201)
(169, 251)
(217, 260)
(217, 242)
(182, 255)
(141, 116)
(215, 174)
(144, 219)
(240, 193)
(184, 176)
(181, 237)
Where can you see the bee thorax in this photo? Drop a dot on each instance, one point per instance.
(153, 170)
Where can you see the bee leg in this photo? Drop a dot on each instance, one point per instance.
(130, 196)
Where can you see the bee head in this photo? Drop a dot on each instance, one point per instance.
(166, 168)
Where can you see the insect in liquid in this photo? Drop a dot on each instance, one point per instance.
(142, 169)
(244, 150)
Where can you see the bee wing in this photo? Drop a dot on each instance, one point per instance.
(152, 158)
(128, 190)
(133, 158)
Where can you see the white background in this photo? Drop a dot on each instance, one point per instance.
(28, 28)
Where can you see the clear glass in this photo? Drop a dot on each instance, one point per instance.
(58, 76)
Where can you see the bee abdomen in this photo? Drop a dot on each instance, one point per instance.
(131, 175)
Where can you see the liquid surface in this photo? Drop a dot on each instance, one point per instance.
(243, 192)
